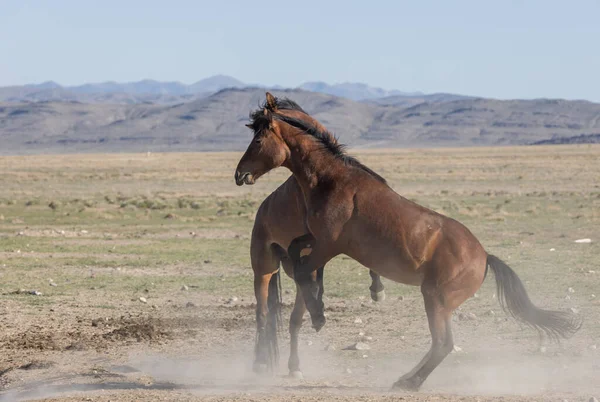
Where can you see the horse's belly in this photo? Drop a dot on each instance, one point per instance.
(393, 268)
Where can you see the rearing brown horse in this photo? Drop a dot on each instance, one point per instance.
(351, 210)
(279, 220)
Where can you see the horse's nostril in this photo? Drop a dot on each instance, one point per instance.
(239, 177)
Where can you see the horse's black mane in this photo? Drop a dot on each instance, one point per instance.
(261, 121)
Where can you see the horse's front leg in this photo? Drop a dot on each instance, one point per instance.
(307, 276)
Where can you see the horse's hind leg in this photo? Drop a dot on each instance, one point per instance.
(295, 325)
(442, 343)
(297, 316)
(265, 263)
(376, 288)
(443, 291)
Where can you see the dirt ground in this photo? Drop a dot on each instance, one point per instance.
(126, 278)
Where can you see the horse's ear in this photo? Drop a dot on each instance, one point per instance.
(249, 125)
(271, 102)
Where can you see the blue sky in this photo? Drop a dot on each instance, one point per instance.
(502, 49)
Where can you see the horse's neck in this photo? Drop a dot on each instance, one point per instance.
(311, 166)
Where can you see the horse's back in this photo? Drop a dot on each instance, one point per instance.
(390, 230)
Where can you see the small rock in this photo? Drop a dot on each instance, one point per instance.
(309, 343)
(367, 338)
(143, 300)
(365, 356)
(358, 346)
(583, 241)
(329, 347)
(190, 304)
(567, 297)
(21, 234)
(358, 321)
(52, 284)
(400, 298)
(467, 317)
(552, 249)
(543, 349)
(207, 261)
(593, 347)
(348, 371)
(231, 300)
(476, 296)
(591, 271)
(185, 287)
(592, 296)
(571, 290)
(84, 232)
(491, 312)
(456, 349)
(574, 310)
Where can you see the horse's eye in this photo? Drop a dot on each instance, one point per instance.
(258, 140)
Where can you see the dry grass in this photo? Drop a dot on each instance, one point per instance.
(108, 229)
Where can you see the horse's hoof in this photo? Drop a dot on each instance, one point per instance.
(378, 296)
(260, 368)
(296, 375)
(318, 323)
(406, 384)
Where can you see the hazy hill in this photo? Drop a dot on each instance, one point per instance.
(354, 90)
(150, 91)
(217, 122)
(145, 91)
(414, 99)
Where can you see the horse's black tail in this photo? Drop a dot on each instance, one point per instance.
(273, 320)
(514, 300)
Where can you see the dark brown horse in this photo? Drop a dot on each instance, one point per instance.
(351, 210)
(279, 220)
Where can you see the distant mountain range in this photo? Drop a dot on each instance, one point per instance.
(216, 121)
(145, 91)
(150, 91)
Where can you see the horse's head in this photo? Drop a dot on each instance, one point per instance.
(269, 148)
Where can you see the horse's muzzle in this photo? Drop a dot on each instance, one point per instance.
(243, 178)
